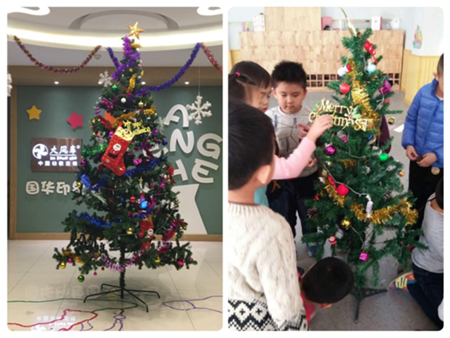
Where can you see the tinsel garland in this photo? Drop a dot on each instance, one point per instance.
(147, 167)
(55, 69)
(132, 84)
(121, 267)
(384, 215)
(211, 58)
(128, 51)
(348, 163)
(94, 150)
(113, 57)
(97, 222)
(172, 81)
(338, 199)
(131, 115)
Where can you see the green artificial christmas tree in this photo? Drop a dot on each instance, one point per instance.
(129, 188)
(360, 208)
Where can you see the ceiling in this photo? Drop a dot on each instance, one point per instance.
(170, 34)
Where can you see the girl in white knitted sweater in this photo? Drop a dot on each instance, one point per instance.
(264, 292)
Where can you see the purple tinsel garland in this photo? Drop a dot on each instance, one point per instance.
(175, 79)
(128, 52)
(113, 58)
(118, 267)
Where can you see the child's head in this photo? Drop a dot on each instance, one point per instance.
(289, 86)
(440, 194)
(327, 281)
(242, 89)
(251, 148)
(260, 76)
(439, 74)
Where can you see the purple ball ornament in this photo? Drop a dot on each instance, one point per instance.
(69, 260)
(111, 133)
(330, 150)
(344, 139)
(386, 88)
(83, 163)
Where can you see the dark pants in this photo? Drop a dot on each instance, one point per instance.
(423, 184)
(291, 201)
(428, 291)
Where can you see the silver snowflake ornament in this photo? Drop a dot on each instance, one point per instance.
(161, 124)
(105, 79)
(9, 84)
(199, 110)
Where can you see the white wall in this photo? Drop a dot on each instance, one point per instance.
(430, 20)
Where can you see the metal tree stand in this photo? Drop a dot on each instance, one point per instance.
(360, 294)
(121, 287)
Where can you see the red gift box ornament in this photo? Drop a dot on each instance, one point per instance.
(332, 182)
(171, 172)
(369, 47)
(342, 190)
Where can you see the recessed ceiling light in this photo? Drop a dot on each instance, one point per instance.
(209, 11)
(143, 82)
(56, 83)
(186, 83)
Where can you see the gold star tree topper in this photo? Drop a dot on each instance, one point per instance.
(135, 30)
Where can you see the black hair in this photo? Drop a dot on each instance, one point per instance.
(328, 281)
(440, 194)
(239, 90)
(258, 74)
(291, 72)
(440, 68)
(250, 143)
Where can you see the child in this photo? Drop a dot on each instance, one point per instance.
(326, 282)
(423, 139)
(284, 168)
(264, 292)
(426, 282)
(289, 89)
(241, 89)
(260, 76)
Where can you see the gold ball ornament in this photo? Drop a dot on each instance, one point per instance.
(401, 173)
(391, 120)
(62, 265)
(79, 184)
(141, 104)
(157, 260)
(130, 231)
(346, 223)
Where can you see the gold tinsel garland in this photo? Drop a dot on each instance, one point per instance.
(384, 215)
(338, 199)
(132, 84)
(72, 255)
(348, 163)
(131, 115)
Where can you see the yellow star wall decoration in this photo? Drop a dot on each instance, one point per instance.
(135, 30)
(33, 113)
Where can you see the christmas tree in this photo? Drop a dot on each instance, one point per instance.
(129, 188)
(360, 207)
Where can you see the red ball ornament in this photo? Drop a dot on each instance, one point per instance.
(316, 198)
(132, 199)
(141, 234)
(332, 240)
(386, 101)
(344, 88)
(342, 190)
(349, 68)
(152, 186)
(103, 269)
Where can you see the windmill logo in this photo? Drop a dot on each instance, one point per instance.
(40, 150)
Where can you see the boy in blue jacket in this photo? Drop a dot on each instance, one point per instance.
(423, 139)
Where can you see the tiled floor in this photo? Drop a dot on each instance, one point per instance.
(190, 299)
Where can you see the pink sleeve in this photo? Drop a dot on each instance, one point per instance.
(291, 167)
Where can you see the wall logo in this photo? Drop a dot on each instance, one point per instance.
(39, 151)
(55, 154)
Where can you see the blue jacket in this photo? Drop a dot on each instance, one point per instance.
(424, 124)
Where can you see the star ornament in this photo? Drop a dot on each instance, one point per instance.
(75, 120)
(33, 113)
(135, 30)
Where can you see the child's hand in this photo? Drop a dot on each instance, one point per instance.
(312, 162)
(322, 123)
(428, 159)
(303, 130)
(411, 153)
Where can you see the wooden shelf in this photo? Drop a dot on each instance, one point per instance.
(288, 38)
